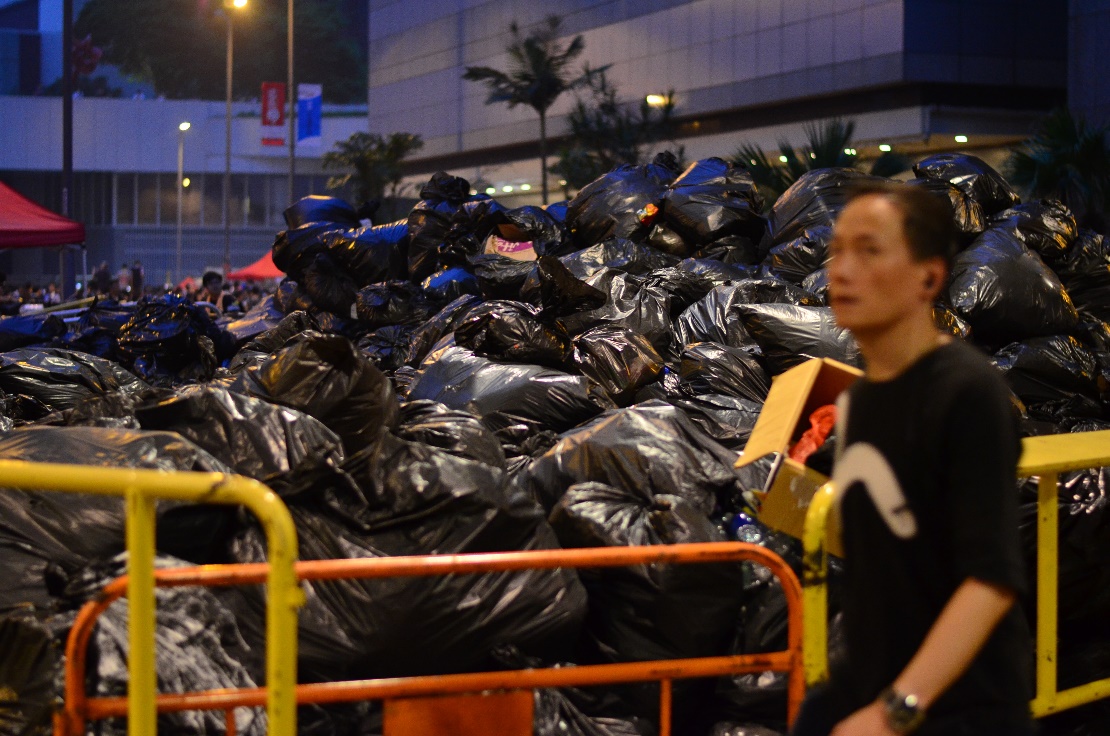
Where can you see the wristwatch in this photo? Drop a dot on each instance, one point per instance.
(903, 712)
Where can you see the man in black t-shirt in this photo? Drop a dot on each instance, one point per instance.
(929, 449)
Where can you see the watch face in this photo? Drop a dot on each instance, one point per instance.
(902, 711)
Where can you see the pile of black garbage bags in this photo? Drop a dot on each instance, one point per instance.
(408, 390)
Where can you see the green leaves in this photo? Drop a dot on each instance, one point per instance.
(373, 163)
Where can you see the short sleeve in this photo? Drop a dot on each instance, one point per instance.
(982, 448)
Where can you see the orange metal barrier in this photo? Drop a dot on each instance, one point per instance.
(79, 708)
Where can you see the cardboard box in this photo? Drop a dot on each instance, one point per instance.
(794, 395)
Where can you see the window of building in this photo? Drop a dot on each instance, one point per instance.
(126, 199)
(148, 199)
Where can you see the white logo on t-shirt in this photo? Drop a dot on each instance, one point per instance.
(863, 462)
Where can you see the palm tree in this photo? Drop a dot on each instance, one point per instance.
(1069, 160)
(539, 71)
(373, 164)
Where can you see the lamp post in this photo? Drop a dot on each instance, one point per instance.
(229, 5)
(180, 193)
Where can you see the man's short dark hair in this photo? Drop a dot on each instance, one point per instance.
(210, 277)
(927, 219)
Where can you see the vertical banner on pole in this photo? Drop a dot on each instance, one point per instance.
(273, 113)
(310, 105)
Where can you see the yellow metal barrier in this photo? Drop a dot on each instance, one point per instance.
(141, 489)
(1042, 457)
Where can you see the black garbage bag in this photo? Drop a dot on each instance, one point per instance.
(319, 208)
(267, 342)
(407, 498)
(369, 254)
(634, 302)
(667, 240)
(329, 285)
(817, 283)
(1086, 274)
(262, 317)
(967, 214)
(326, 377)
(69, 530)
(294, 249)
(1006, 292)
(430, 222)
(500, 277)
(973, 176)
(715, 318)
(684, 287)
(96, 331)
(796, 259)
(512, 332)
(620, 204)
(1047, 226)
(713, 199)
(31, 666)
(554, 714)
(392, 303)
(727, 419)
(729, 728)
(457, 432)
(557, 210)
(60, 378)
(716, 271)
(450, 284)
(736, 249)
(561, 293)
(814, 200)
(431, 331)
(387, 347)
(537, 226)
(533, 394)
(617, 358)
(1049, 369)
(171, 339)
(650, 447)
(789, 335)
(619, 255)
(289, 297)
(253, 437)
(948, 321)
(22, 330)
(713, 368)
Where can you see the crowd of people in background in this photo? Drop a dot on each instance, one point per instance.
(129, 284)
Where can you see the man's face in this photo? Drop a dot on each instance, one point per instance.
(874, 281)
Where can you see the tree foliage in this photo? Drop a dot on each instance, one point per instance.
(606, 133)
(1069, 160)
(179, 46)
(372, 163)
(539, 72)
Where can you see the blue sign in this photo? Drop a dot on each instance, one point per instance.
(310, 105)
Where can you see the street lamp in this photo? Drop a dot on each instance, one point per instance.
(180, 193)
(228, 6)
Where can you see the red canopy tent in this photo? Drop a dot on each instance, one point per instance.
(24, 224)
(260, 270)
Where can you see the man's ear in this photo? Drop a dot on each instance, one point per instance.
(935, 275)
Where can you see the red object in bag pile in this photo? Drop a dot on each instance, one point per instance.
(821, 423)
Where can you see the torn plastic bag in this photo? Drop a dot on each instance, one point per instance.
(370, 254)
(432, 330)
(392, 303)
(650, 447)
(261, 317)
(169, 338)
(198, 647)
(319, 208)
(407, 498)
(1046, 226)
(788, 335)
(1049, 369)
(387, 347)
(68, 530)
(325, 377)
(512, 332)
(817, 283)
(967, 214)
(31, 666)
(330, 286)
(713, 368)
(650, 612)
(457, 432)
(546, 233)
(253, 437)
(60, 378)
(267, 342)
(460, 379)
(814, 200)
(973, 176)
(713, 199)
(634, 302)
(796, 259)
(717, 271)
(620, 204)
(715, 318)
(430, 221)
(1006, 292)
(451, 284)
(1086, 274)
(29, 329)
(620, 360)
(500, 277)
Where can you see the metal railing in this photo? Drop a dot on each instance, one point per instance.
(79, 707)
(1042, 457)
